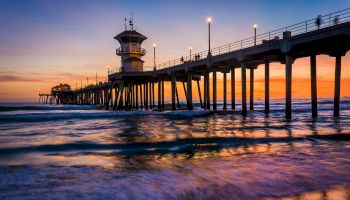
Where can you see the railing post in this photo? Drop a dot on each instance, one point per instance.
(306, 27)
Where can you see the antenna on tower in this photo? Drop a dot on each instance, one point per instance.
(125, 23)
(131, 22)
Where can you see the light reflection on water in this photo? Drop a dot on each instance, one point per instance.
(77, 153)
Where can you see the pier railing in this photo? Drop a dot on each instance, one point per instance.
(324, 21)
(120, 51)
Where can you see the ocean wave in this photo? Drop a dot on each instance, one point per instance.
(174, 146)
(46, 107)
(40, 117)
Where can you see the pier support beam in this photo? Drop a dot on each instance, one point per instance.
(185, 91)
(146, 96)
(288, 87)
(199, 94)
(141, 96)
(214, 91)
(244, 88)
(313, 74)
(224, 106)
(233, 88)
(150, 95)
(337, 85)
(153, 91)
(163, 106)
(267, 87)
(205, 92)
(159, 96)
(251, 90)
(207, 89)
(177, 96)
(173, 88)
(189, 91)
(137, 96)
(120, 104)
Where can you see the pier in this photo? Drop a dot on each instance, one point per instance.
(130, 87)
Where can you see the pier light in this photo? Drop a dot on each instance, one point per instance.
(255, 26)
(209, 20)
(154, 56)
(190, 48)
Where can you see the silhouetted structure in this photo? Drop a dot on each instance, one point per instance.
(133, 88)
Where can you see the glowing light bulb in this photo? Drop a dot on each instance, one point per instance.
(209, 19)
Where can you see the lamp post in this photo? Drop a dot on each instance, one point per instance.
(107, 67)
(190, 48)
(154, 56)
(255, 26)
(209, 22)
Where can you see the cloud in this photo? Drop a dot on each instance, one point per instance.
(11, 78)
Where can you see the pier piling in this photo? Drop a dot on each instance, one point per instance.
(251, 90)
(288, 87)
(159, 96)
(244, 89)
(214, 91)
(189, 91)
(337, 85)
(224, 91)
(173, 88)
(313, 85)
(233, 88)
(199, 94)
(267, 87)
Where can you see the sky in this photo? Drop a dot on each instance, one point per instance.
(45, 42)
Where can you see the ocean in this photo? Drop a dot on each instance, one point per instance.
(86, 152)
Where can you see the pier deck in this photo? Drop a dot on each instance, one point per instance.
(136, 90)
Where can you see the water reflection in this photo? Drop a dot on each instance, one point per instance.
(337, 193)
(179, 155)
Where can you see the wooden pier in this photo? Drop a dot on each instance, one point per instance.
(127, 90)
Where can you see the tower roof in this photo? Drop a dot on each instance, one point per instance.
(130, 33)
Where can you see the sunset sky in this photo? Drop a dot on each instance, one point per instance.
(43, 43)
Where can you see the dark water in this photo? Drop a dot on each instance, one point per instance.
(73, 152)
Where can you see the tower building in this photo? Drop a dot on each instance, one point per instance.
(130, 49)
